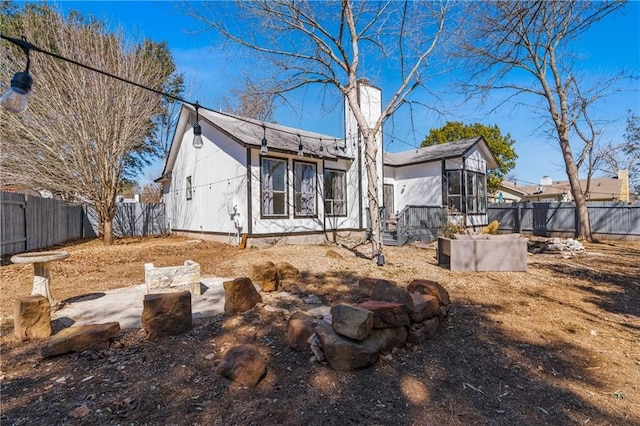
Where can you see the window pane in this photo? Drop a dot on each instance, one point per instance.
(454, 203)
(482, 193)
(335, 193)
(274, 185)
(471, 187)
(278, 203)
(453, 182)
(305, 189)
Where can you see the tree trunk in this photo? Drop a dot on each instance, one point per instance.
(106, 215)
(582, 216)
(107, 237)
(371, 168)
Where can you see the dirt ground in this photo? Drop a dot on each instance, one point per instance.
(556, 345)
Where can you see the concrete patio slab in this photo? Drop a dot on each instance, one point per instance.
(124, 305)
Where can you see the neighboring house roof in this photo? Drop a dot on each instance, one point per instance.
(440, 152)
(607, 188)
(279, 138)
(513, 188)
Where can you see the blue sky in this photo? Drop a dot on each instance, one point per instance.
(612, 45)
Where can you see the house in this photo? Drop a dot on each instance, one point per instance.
(602, 189)
(264, 182)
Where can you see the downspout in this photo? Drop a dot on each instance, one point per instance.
(249, 216)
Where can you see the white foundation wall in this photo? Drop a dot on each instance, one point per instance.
(218, 198)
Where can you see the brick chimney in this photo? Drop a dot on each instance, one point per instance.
(623, 177)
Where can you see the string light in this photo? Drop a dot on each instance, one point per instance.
(263, 149)
(321, 148)
(22, 82)
(197, 131)
(16, 98)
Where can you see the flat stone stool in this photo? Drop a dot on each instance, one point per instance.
(166, 314)
(32, 318)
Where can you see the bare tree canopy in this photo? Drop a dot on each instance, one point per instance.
(523, 48)
(337, 44)
(83, 131)
(251, 99)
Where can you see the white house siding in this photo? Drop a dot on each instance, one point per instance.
(291, 224)
(415, 185)
(219, 198)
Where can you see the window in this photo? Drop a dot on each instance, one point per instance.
(189, 189)
(476, 193)
(304, 189)
(475, 188)
(335, 190)
(274, 187)
(454, 191)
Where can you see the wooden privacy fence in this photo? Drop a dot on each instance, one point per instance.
(131, 219)
(30, 223)
(615, 220)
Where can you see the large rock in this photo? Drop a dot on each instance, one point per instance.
(352, 321)
(424, 306)
(243, 364)
(334, 254)
(299, 330)
(346, 354)
(286, 270)
(425, 330)
(342, 353)
(430, 287)
(265, 274)
(387, 314)
(166, 314)
(32, 317)
(80, 338)
(239, 296)
(383, 340)
(384, 291)
(366, 286)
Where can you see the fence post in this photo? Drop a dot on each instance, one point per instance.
(519, 219)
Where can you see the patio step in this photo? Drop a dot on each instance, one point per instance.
(390, 238)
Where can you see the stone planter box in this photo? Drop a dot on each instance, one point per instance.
(171, 279)
(506, 252)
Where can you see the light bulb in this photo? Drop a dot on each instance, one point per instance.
(16, 98)
(197, 136)
(300, 151)
(264, 150)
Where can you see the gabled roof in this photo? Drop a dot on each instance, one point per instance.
(606, 188)
(440, 152)
(250, 132)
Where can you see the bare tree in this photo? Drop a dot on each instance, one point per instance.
(523, 48)
(251, 99)
(337, 44)
(82, 129)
